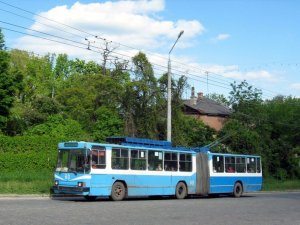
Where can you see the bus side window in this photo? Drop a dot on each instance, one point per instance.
(240, 164)
(251, 164)
(155, 160)
(185, 162)
(258, 169)
(138, 160)
(98, 159)
(119, 159)
(230, 164)
(218, 164)
(171, 161)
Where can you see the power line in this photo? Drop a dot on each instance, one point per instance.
(43, 17)
(157, 66)
(24, 17)
(104, 39)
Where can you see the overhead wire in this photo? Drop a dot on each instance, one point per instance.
(104, 39)
(156, 66)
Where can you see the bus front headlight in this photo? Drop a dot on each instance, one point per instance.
(56, 183)
(81, 184)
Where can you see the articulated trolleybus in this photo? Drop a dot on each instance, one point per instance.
(141, 167)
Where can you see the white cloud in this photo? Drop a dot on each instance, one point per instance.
(260, 75)
(295, 86)
(133, 23)
(220, 37)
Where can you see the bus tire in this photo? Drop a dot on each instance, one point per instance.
(237, 190)
(181, 191)
(118, 191)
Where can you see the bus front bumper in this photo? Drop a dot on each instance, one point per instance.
(68, 189)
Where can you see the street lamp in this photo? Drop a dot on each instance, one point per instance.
(169, 115)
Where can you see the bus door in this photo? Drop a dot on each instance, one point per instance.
(138, 165)
(171, 167)
(202, 181)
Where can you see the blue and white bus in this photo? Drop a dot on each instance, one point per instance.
(142, 167)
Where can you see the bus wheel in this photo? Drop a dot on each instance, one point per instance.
(90, 198)
(181, 191)
(118, 191)
(237, 190)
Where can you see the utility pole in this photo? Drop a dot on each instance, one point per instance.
(169, 114)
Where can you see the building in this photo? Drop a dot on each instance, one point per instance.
(212, 113)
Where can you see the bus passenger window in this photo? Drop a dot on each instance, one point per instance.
(218, 164)
(185, 162)
(155, 160)
(170, 163)
(98, 159)
(230, 164)
(119, 159)
(240, 164)
(251, 164)
(258, 169)
(138, 160)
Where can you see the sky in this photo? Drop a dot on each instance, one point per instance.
(223, 40)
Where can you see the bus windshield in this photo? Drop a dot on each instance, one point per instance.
(75, 161)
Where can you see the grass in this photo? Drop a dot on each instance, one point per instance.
(29, 182)
(25, 182)
(272, 184)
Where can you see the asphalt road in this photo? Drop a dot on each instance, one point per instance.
(256, 209)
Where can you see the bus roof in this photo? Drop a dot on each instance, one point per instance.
(141, 143)
(84, 144)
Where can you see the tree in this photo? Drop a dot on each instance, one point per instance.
(108, 124)
(7, 85)
(220, 98)
(246, 103)
(143, 95)
(57, 126)
(269, 128)
(2, 42)
(243, 92)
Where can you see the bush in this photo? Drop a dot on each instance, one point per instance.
(281, 174)
(28, 153)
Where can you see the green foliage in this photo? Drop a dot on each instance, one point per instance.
(8, 85)
(108, 124)
(29, 153)
(2, 42)
(25, 182)
(244, 140)
(58, 127)
(273, 184)
(48, 99)
(220, 98)
(140, 102)
(268, 128)
(243, 92)
(191, 132)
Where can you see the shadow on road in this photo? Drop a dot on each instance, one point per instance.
(149, 198)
